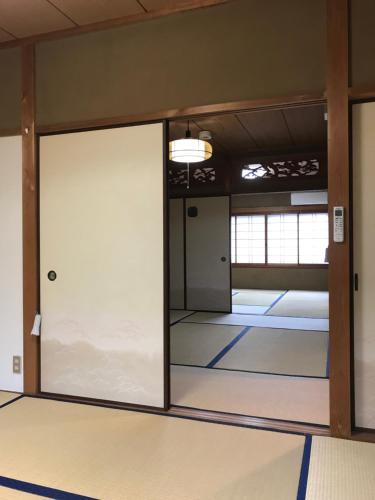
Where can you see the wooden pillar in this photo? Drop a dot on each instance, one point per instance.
(339, 195)
(30, 221)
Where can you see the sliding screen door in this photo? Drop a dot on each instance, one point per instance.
(208, 254)
(363, 256)
(102, 264)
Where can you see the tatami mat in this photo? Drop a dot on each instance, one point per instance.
(193, 344)
(268, 350)
(5, 397)
(255, 297)
(262, 321)
(303, 304)
(249, 309)
(10, 494)
(269, 396)
(341, 470)
(177, 315)
(116, 455)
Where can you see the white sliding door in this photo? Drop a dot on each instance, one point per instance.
(208, 263)
(364, 251)
(102, 234)
(176, 254)
(11, 293)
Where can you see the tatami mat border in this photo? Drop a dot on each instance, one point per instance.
(44, 491)
(302, 486)
(252, 371)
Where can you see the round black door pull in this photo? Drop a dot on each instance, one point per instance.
(52, 275)
(223, 259)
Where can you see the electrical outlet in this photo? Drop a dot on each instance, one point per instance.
(17, 364)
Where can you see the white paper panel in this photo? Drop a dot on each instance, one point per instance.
(11, 295)
(101, 218)
(207, 242)
(176, 254)
(364, 250)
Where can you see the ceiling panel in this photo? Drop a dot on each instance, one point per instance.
(25, 18)
(228, 131)
(4, 36)
(307, 125)
(263, 131)
(92, 11)
(268, 128)
(163, 4)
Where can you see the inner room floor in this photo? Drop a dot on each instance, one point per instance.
(56, 449)
(268, 358)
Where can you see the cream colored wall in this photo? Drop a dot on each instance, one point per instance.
(241, 50)
(176, 254)
(364, 249)
(11, 294)
(280, 279)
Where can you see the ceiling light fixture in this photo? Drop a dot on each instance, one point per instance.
(189, 150)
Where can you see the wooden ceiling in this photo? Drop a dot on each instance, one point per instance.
(20, 19)
(262, 132)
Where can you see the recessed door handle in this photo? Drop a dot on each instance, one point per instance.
(223, 259)
(52, 275)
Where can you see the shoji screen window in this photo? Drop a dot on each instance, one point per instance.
(297, 238)
(249, 239)
(313, 238)
(282, 238)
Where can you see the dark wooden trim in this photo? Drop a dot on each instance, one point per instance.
(296, 209)
(30, 222)
(200, 415)
(194, 111)
(283, 266)
(113, 23)
(339, 194)
(366, 435)
(8, 132)
(166, 284)
(363, 92)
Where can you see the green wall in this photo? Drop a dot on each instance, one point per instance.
(241, 50)
(10, 88)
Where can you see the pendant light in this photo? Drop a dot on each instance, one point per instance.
(189, 150)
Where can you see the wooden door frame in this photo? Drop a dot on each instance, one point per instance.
(341, 383)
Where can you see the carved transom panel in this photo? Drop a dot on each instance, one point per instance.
(202, 175)
(280, 169)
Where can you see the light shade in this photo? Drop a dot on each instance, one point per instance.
(189, 150)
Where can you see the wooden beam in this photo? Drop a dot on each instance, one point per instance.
(114, 23)
(339, 195)
(282, 102)
(30, 221)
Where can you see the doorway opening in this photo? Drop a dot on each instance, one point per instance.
(249, 320)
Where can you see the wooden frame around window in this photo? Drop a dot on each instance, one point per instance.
(297, 209)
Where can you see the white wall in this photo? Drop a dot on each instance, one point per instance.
(11, 301)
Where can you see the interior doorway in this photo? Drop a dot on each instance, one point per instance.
(266, 355)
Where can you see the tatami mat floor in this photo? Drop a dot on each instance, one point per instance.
(73, 451)
(236, 362)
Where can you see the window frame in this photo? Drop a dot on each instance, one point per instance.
(297, 209)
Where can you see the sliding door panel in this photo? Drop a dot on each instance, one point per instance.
(176, 254)
(102, 264)
(364, 250)
(208, 254)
